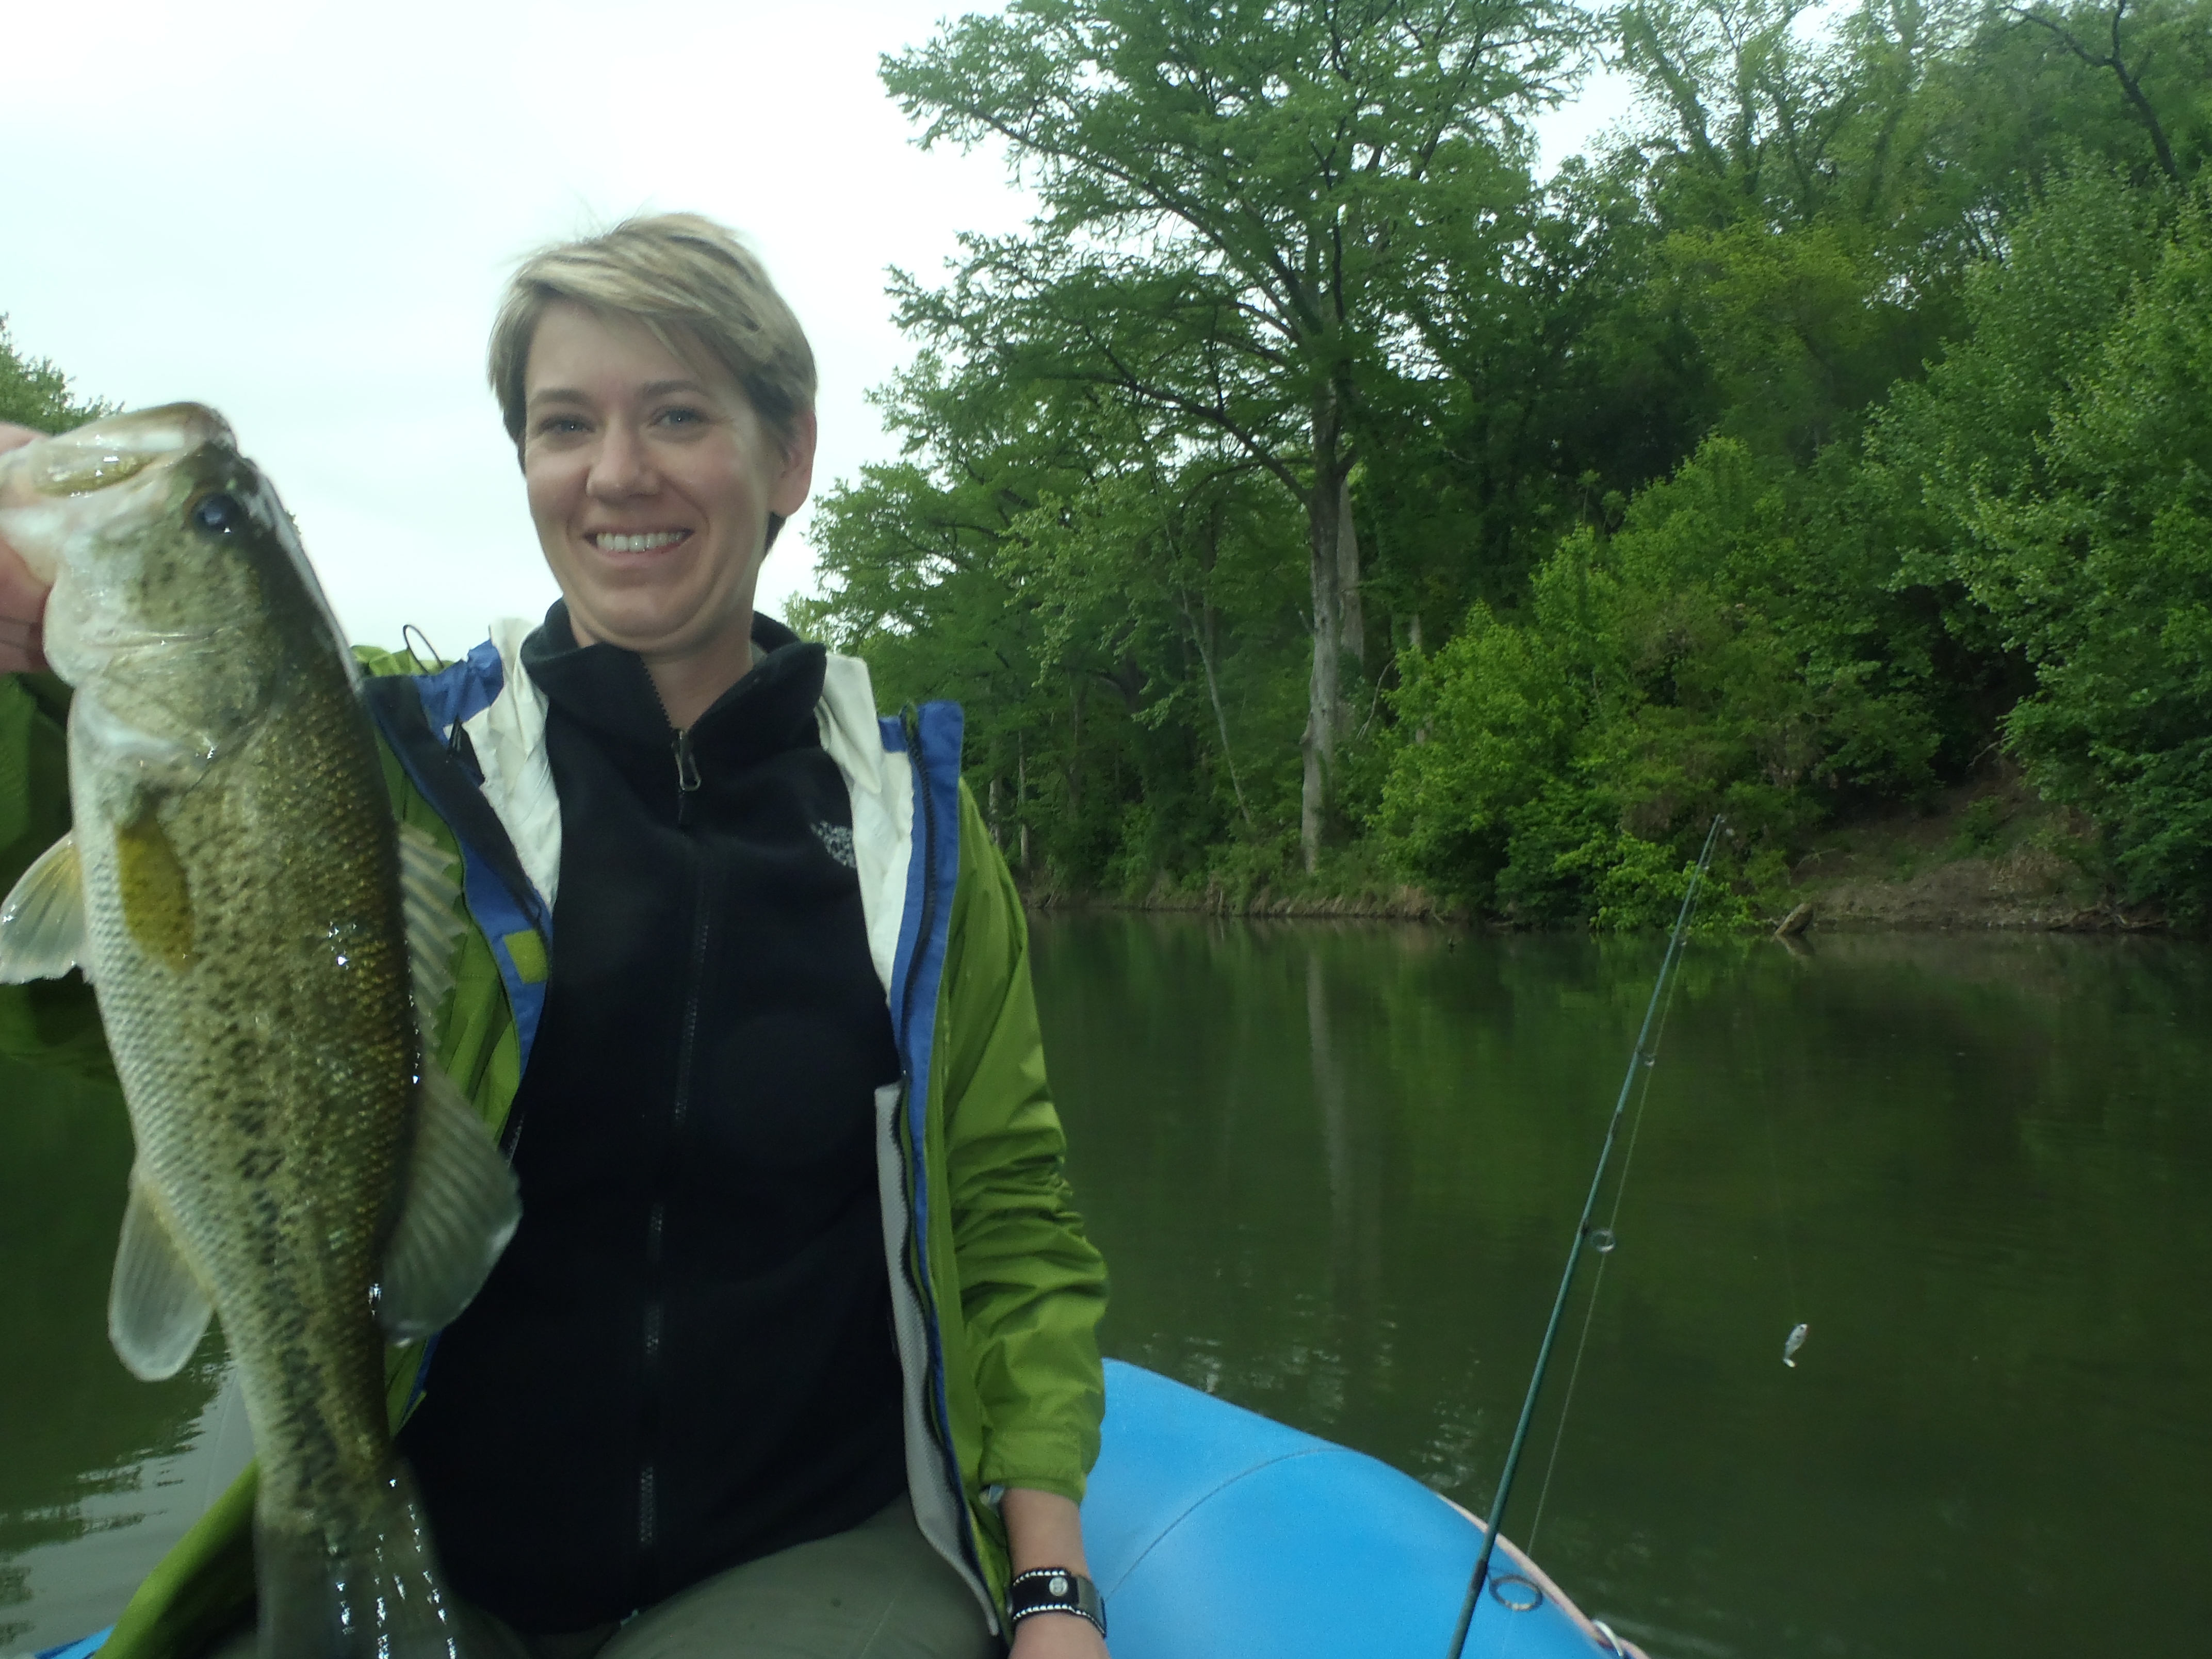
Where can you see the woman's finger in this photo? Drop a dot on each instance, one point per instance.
(22, 596)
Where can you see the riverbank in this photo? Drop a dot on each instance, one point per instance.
(1988, 853)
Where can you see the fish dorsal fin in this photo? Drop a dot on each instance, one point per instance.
(457, 1212)
(156, 1309)
(42, 919)
(429, 892)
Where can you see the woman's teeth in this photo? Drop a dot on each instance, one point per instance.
(607, 542)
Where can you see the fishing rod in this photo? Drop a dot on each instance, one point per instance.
(1640, 1057)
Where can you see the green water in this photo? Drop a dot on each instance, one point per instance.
(1333, 1168)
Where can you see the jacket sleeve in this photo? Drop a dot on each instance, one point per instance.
(1032, 1287)
(51, 1024)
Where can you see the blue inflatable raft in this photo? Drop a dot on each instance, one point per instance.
(1214, 1533)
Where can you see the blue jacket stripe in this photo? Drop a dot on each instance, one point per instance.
(500, 916)
(917, 973)
(456, 693)
(461, 690)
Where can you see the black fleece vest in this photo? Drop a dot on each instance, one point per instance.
(684, 1360)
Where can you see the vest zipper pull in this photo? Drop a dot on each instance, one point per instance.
(686, 763)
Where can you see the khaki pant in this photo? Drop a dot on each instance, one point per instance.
(876, 1592)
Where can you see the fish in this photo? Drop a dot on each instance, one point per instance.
(1791, 1343)
(235, 889)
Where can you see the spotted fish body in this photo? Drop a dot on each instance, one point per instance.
(233, 886)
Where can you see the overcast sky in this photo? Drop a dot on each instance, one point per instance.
(302, 215)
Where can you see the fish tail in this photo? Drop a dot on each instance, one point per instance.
(376, 1590)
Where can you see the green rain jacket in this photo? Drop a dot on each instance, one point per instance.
(995, 1291)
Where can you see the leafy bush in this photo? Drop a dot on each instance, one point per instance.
(1732, 649)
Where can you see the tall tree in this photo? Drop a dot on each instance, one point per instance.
(1230, 191)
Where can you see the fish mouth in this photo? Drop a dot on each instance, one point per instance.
(110, 450)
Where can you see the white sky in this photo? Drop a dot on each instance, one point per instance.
(302, 215)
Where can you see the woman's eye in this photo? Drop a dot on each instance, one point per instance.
(683, 415)
(558, 426)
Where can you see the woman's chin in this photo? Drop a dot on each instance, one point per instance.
(656, 630)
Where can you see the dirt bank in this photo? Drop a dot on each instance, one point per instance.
(1990, 853)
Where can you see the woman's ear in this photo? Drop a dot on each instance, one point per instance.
(793, 484)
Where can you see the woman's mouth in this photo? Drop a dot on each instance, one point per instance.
(645, 541)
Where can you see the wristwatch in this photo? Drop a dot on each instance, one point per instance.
(1055, 1589)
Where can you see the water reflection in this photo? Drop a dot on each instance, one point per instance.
(1336, 1170)
(88, 1455)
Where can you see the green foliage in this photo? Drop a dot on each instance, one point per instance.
(2061, 460)
(1729, 650)
(36, 394)
(1842, 424)
(1981, 825)
(2110, 587)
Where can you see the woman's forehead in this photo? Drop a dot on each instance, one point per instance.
(579, 350)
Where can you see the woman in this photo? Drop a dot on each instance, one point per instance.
(793, 1351)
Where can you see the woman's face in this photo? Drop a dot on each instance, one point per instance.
(651, 479)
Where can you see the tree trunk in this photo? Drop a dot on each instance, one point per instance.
(1324, 693)
(1324, 689)
(1022, 795)
(1354, 628)
(1075, 752)
(1200, 631)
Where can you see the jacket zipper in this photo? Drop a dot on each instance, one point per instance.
(687, 773)
(648, 1474)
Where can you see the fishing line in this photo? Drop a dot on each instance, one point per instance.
(1604, 1240)
(1781, 1213)
(1644, 1054)
(1796, 1336)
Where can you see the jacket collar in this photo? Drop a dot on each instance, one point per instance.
(609, 690)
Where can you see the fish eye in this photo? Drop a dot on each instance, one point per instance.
(218, 513)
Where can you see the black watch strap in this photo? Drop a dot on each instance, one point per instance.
(1055, 1589)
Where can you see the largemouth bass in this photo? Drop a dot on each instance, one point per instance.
(234, 888)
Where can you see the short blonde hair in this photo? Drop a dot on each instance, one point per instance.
(691, 283)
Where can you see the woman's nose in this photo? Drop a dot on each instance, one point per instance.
(623, 467)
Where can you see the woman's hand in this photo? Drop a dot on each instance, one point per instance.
(22, 596)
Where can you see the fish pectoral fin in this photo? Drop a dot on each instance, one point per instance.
(458, 1211)
(156, 1309)
(42, 919)
(430, 893)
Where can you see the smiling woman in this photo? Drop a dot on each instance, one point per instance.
(793, 1348)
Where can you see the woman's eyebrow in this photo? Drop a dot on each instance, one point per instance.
(561, 394)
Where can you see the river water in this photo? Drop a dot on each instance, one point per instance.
(1335, 1169)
